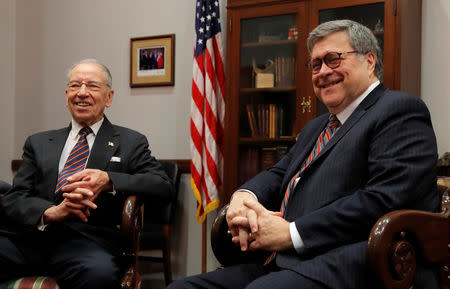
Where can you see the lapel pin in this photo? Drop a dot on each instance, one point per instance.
(111, 144)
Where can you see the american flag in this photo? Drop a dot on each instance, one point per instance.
(207, 109)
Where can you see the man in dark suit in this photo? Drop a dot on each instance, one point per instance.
(373, 153)
(69, 230)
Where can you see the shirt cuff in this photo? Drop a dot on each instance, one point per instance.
(41, 225)
(296, 239)
(244, 190)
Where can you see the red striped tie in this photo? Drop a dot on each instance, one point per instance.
(76, 160)
(322, 140)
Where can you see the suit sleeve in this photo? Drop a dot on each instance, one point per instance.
(142, 174)
(23, 202)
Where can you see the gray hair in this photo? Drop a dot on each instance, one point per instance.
(105, 69)
(360, 37)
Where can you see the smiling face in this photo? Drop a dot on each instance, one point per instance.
(338, 87)
(86, 103)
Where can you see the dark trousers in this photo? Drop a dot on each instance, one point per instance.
(249, 276)
(72, 260)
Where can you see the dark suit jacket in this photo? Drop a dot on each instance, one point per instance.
(381, 159)
(34, 185)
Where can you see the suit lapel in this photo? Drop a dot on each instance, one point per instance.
(56, 142)
(309, 145)
(352, 120)
(105, 145)
(303, 153)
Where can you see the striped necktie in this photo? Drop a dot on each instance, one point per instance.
(322, 140)
(76, 160)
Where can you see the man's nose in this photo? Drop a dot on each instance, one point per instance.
(325, 69)
(83, 90)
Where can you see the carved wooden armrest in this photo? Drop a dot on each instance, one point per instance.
(398, 237)
(131, 228)
(226, 252)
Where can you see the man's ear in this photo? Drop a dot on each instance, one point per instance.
(109, 96)
(371, 61)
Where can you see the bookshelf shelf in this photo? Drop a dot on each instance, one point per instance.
(249, 90)
(266, 141)
(269, 43)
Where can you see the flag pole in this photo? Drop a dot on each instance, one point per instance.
(204, 237)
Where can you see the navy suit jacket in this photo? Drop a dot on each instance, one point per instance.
(381, 159)
(137, 172)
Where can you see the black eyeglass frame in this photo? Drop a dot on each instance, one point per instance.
(331, 63)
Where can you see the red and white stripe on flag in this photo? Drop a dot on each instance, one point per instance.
(207, 108)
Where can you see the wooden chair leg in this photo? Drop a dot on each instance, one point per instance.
(167, 255)
(167, 267)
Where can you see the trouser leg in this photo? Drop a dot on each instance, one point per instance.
(248, 276)
(12, 262)
(232, 277)
(81, 263)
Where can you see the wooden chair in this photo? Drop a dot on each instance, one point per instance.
(157, 225)
(394, 242)
(131, 227)
(399, 236)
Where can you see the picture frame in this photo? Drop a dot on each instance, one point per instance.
(152, 61)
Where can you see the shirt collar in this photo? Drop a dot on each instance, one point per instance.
(76, 128)
(345, 114)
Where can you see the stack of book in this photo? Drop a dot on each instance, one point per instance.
(284, 71)
(266, 120)
(254, 160)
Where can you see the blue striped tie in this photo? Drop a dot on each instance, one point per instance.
(76, 160)
(322, 140)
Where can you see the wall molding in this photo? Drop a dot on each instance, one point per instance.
(185, 165)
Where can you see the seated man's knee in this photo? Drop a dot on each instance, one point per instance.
(97, 273)
(181, 284)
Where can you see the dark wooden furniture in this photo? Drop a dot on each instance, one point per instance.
(400, 236)
(394, 242)
(157, 224)
(261, 31)
(131, 227)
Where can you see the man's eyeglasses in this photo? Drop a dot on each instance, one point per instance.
(331, 59)
(75, 86)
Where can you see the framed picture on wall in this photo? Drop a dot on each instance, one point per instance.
(152, 61)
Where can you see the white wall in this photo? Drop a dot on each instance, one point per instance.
(7, 34)
(52, 34)
(435, 90)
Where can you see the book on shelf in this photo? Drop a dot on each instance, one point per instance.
(249, 164)
(252, 120)
(266, 120)
(271, 155)
(268, 157)
(253, 160)
(284, 71)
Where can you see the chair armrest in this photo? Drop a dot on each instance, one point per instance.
(131, 228)
(226, 252)
(399, 236)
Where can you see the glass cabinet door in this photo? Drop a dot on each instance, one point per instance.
(267, 91)
(266, 57)
(267, 84)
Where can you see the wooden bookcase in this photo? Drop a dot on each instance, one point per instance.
(269, 92)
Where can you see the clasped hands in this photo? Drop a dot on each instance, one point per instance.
(79, 196)
(253, 227)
